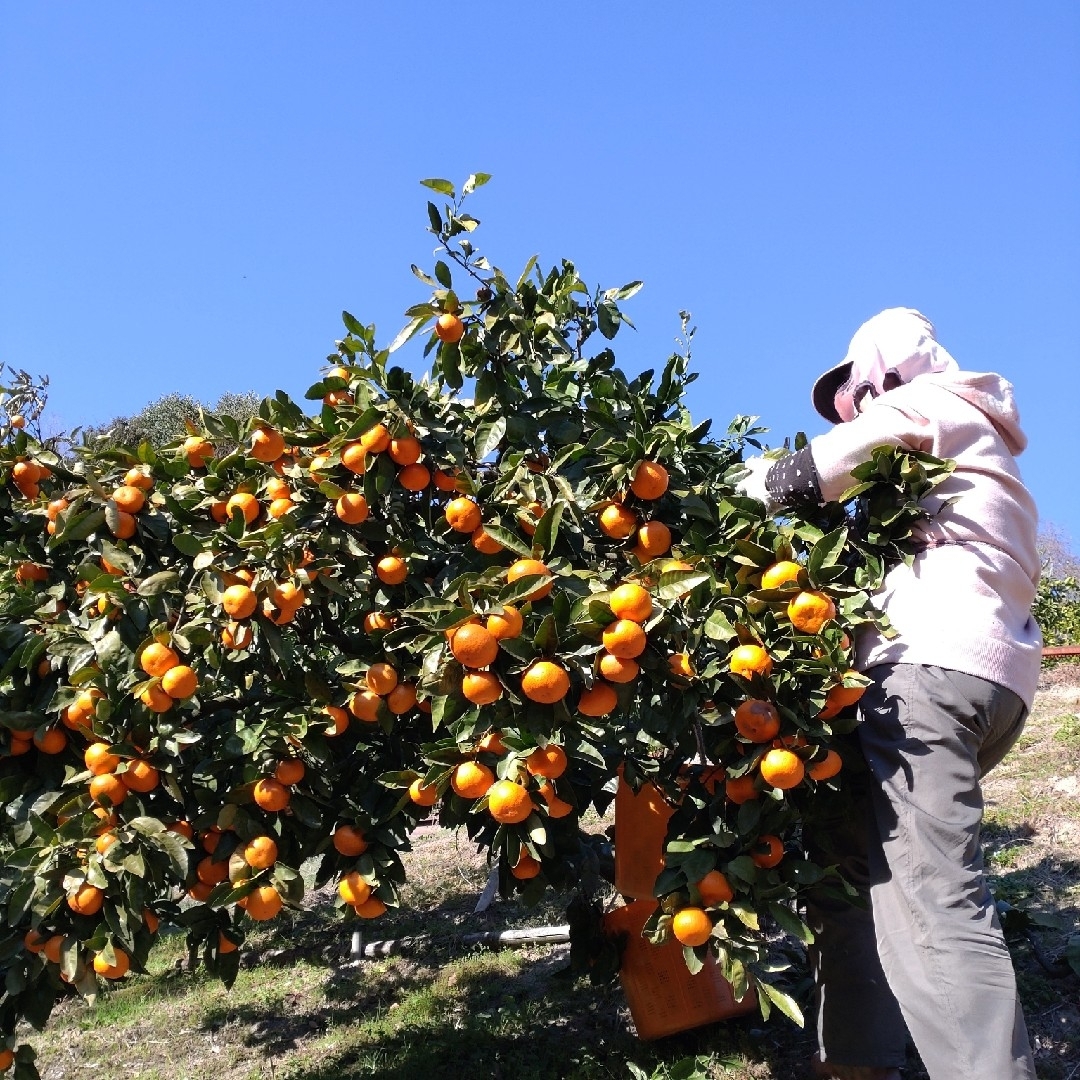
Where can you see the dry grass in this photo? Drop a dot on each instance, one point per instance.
(442, 1010)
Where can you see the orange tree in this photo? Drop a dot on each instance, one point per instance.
(485, 591)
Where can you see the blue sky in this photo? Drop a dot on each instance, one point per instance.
(191, 193)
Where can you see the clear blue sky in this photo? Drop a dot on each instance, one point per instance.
(191, 193)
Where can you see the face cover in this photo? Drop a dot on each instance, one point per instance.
(887, 351)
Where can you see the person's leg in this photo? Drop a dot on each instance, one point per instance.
(859, 1023)
(938, 935)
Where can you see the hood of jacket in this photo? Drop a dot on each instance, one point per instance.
(990, 394)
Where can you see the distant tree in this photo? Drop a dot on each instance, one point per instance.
(1057, 604)
(166, 419)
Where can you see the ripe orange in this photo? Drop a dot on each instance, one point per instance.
(421, 795)
(506, 623)
(715, 889)
(617, 521)
(392, 570)
(376, 439)
(414, 477)
(150, 921)
(405, 450)
(471, 780)
(463, 515)
(129, 499)
(155, 699)
(197, 450)
(139, 476)
(140, 776)
(371, 908)
(351, 508)
(261, 852)
(378, 622)
(381, 678)
(290, 771)
(239, 601)
(545, 682)
(446, 481)
(618, 669)
(349, 841)
(485, 543)
(279, 507)
(86, 900)
(653, 540)
(840, 697)
(210, 872)
(339, 720)
(809, 611)
(353, 889)
(98, 759)
(364, 705)
(509, 803)
(757, 720)
(524, 568)
(828, 767)
(245, 503)
(748, 660)
(263, 902)
(277, 488)
(779, 573)
(271, 794)
(782, 769)
(681, 666)
(50, 741)
(354, 458)
(180, 682)
(624, 639)
(599, 700)
(692, 926)
(767, 852)
(113, 971)
(267, 445)
(526, 867)
(492, 743)
(630, 601)
(650, 480)
(474, 646)
(108, 789)
(125, 526)
(449, 328)
(52, 947)
(402, 698)
(226, 945)
(481, 687)
(237, 636)
(547, 761)
(18, 422)
(741, 789)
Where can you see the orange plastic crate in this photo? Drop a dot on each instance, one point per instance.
(663, 996)
(641, 822)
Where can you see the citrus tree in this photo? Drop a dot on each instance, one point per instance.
(481, 593)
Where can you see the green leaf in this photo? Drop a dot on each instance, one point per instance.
(787, 920)
(409, 330)
(718, 627)
(443, 187)
(827, 551)
(510, 541)
(488, 437)
(548, 528)
(787, 1005)
(186, 543)
(156, 584)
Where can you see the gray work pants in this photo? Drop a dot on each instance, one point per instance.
(924, 949)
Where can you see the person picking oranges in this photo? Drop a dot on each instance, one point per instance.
(948, 696)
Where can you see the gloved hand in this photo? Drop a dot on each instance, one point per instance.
(753, 484)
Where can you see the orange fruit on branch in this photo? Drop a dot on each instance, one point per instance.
(463, 515)
(391, 570)
(827, 767)
(772, 577)
(415, 477)
(115, 970)
(650, 480)
(449, 328)
(547, 761)
(617, 521)
(471, 780)
(349, 841)
(809, 611)
(625, 639)
(354, 458)
(748, 660)
(524, 568)
(526, 867)
(653, 540)
(140, 776)
(290, 771)
(421, 794)
(485, 543)
(261, 852)
(381, 678)
(599, 700)
(271, 794)
(715, 888)
(263, 902)
(197, 451)
(481, 687)
(180, 682)
(545, 682)
(509, 803)
(631, 601)
(505, 624)
(244, 503)
(267, 445)
(129, 499)
(351, 508)
(757, 720)
(691, 926)
(86, 900)
(99, 760)
(474, 646)
(108, 789)
(239, 601)
(767, 851)
(782, 769)
(364, 705)
(376, 439)
(405, 450)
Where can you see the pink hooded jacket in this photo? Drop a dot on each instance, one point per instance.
(965, 603)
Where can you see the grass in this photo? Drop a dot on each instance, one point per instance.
(441, 1010)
